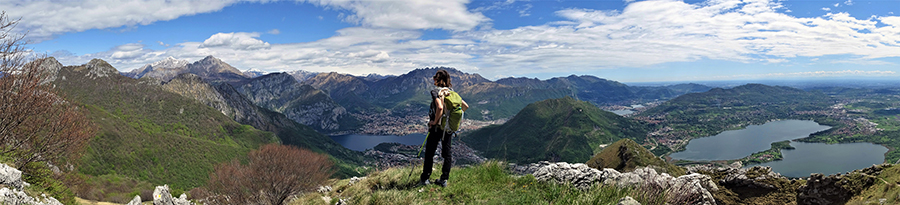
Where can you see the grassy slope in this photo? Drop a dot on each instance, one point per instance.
(153, 135)
(562, 129)
(887, 187)
(487, 183)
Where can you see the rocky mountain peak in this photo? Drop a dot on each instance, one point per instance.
(48, 64)
(302, 75)
(212, 65)
(100, 68)
(169, 62)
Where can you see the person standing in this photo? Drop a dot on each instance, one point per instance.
(439, 126)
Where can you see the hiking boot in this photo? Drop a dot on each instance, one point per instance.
(423, 182)
(441, 182)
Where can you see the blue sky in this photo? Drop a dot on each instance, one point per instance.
(628, 41)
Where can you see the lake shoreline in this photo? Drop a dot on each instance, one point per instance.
(745, 145)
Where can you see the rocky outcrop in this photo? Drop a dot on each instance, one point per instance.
(50, 65)
(163, 70)
(12, 196)
(135, 201)
(837, 189)
(162, 196)
(215, 70)
(302, 103)
(192, 86)
(687, 189)
(98, 68)
(12, 178)
(627, 200)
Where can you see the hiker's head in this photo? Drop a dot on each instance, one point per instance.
(442, 79)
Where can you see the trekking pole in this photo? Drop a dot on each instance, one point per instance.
(412, 166)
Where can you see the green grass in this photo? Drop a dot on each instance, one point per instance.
(772, 154)
(887, 187)
(562, 129)
(152, 135)
(487, 183)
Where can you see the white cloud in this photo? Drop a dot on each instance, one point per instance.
(239, 41)
(848, 2)
(826, 9)
(643, 34)
(47, 18)
(525, 10)
(409, 14)
(274, 32)
(837, 4)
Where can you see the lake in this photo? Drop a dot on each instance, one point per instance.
(827, 159)
(621, 112)
(361, 142)
(807, 158)
(736, 144)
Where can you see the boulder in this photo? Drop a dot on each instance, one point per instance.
(11, 177)
(135, 201)
(627, 200)
(11, 196)
(837, 189)
(162, 196)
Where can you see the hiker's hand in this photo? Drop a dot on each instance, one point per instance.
(431, 123)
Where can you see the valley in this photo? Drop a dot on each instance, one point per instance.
(515, 120)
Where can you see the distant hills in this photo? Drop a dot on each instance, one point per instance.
(717, 110)
(561, 129)
(216, 72)
(351, 101)
(491, 99)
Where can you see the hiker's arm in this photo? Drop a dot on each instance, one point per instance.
(465, 106)
(437, 111)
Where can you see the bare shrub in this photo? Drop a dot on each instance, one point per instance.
(36, 124)
(273, 174)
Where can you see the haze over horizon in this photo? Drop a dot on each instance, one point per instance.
(626, 41)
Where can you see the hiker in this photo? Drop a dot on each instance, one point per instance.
(442, 124)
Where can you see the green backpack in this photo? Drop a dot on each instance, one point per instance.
(453, 112)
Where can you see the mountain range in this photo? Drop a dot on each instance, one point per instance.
(210, 68)
(340, 103)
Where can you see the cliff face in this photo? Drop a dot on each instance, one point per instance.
(192, 86)
(302, 103)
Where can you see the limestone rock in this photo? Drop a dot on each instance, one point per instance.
(11, 196)
(135, 201)
(627, 200)
(323, 189)
(98, 68)
(693, 188)
(11, 177)
(354, 180)
(162, 196)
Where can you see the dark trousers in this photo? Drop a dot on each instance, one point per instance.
(435, 135)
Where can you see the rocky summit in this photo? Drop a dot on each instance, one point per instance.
(688, 189)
